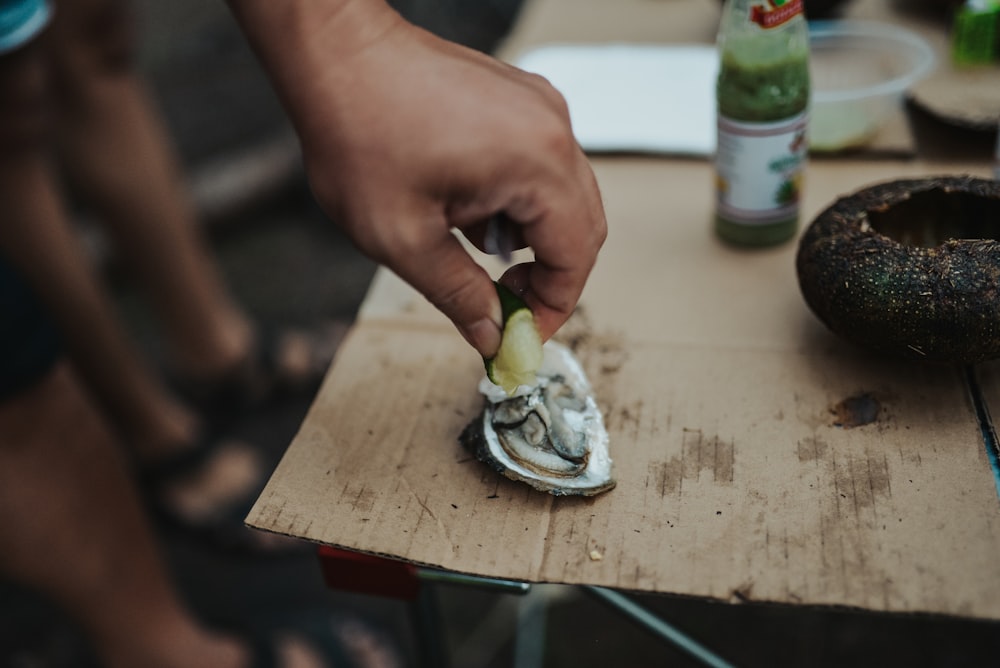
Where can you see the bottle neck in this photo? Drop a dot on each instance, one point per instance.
(764, 14)
(751, 29)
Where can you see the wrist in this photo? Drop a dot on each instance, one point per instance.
(300, 43)
(273, 26)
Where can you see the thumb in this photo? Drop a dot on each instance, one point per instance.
(461, 289)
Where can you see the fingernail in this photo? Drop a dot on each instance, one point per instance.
(484, 335)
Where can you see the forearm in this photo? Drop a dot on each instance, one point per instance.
(300, 42)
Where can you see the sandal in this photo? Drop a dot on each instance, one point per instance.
(283, 363)
(339, 641)
(222, 527)
(265, 653)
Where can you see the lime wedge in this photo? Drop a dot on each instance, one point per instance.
(520, 355)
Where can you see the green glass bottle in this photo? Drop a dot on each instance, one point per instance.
(763, 98)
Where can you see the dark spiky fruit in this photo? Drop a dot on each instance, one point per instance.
(910, 268)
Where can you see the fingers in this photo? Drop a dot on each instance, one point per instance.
(562, 220)
(566, 238)
(462, 290)
(551, 202)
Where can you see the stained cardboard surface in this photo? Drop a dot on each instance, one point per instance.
(741, 472)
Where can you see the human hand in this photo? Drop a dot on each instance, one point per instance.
(408, 137)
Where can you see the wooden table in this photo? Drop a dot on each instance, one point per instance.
(719, 388)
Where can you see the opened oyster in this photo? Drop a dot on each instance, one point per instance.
(550, 436)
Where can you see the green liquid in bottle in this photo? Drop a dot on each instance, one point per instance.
(762, 90)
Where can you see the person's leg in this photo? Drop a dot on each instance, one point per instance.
(115, 149)
(71, 525)
(36, 236)
(72, 528)
(70, 522)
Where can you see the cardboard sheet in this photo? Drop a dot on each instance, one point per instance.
(739, 477)
(720, 392)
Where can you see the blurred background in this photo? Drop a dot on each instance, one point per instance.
(290, 265)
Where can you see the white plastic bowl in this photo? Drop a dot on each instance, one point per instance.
(860, 71)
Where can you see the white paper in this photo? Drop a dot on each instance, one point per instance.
(634, 97)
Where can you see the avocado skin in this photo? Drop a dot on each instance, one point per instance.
(935, 303)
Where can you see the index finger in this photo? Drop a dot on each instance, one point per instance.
(447, 276)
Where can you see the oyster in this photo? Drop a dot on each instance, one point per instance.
(550, 435)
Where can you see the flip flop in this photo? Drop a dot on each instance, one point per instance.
(340, 641)
(265, 653)
(264, 376)
(225, 530)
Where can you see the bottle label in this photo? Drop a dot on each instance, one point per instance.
(773, 13)
(759, 168)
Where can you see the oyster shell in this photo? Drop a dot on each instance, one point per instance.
(550, 436)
